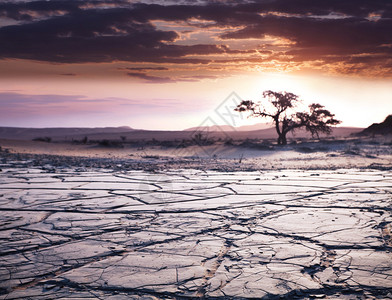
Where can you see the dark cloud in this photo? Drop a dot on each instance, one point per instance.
(157, 79)
(145, 69)
(149, 78)
(106, 31)
(27, 11)
(318, 38)
(358, 8)
(97, 35)
(83, 36)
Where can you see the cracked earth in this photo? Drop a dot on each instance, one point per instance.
(105, 234)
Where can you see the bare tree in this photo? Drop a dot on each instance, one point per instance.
(281, 109)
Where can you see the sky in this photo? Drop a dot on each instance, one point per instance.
(171, 65)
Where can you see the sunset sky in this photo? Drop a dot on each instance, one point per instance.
(171, 64)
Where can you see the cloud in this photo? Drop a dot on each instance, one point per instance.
(157, 79)
(145, 69)
(97, 35)
(14, 105)
(28, 11)
(95, 31)
(149, 78)
(53, 110)
(84, 36)
(333, 36)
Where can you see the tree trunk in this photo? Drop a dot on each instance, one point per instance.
(282, 140)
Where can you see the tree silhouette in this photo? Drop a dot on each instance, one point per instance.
(280, 107)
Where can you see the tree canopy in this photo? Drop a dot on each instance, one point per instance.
(280, 107)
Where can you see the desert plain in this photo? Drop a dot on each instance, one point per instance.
(224, 220)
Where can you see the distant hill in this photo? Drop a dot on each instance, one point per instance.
(259, 126)
(19, 133)
(383, 128)
(129, 134)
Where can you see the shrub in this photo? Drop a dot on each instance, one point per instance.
(110, 144)
(43, 139)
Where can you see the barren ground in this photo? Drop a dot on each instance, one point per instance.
(295, 223)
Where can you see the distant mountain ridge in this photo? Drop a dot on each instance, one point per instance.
(129, 134)
(383, 128)
(259, 126)
(20, 133)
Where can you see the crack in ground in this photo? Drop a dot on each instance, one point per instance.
(223, 232)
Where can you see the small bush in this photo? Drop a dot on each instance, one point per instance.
(110, 144)
(169, 144)
(151, 156)
(45, 139)
(229, 142)
(202, 140)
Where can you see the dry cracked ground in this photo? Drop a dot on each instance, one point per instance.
(104, 234)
